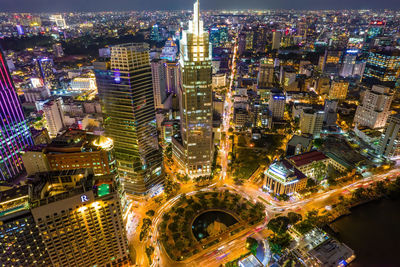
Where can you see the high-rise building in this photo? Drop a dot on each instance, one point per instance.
(158, 69)
(193, 149)
(169, 51)
(330, 112)
(172, 77)
(21, 243)
(311, 121)
(14, 131)
(126, 92)
(374, 109)
(79, 218)
(349, 62)
(266, 75)
(54, 114)
(58, 50)
(241, 43)
(338, 89)
(389, 145)
(155, 33)
(276, 40)
(277, 105)
(44, 69)
(382, 67)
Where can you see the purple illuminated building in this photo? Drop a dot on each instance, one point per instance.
(14, 132)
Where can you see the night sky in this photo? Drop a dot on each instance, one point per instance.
(120, 5)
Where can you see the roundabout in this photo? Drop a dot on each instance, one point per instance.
(199, 221)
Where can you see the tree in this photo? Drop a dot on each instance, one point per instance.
(279, 224)
(319, 170)
(318, 142)
(150, 213)
(311, 183)
(252, 245)
(166, 216)
(294, 217)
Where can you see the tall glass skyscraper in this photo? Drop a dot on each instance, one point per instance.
(192, 150)
(14, 132)
(126, 91)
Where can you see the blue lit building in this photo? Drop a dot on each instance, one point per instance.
(14, 132)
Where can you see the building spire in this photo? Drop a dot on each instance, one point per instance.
(196, 18)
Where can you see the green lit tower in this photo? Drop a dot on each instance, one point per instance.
(192, 149)
(126, 92)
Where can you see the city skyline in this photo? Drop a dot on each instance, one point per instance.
(207, 5)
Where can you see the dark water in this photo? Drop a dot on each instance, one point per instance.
(373, 232)
(201, 223)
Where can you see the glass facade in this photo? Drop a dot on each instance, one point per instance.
(126, 91)
(193, 149)
(14, 132)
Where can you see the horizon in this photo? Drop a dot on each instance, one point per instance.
(62, 6)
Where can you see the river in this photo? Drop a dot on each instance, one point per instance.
(373, 232)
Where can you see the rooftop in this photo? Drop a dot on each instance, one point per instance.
(307, 158)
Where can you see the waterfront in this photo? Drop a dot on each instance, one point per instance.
(372, 231)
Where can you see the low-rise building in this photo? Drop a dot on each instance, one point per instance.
(306, 162)
(284, 178)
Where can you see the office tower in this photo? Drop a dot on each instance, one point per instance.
(169, 51)
(323, 85)
(241, 43)
(382, 68)
(126, 93)
(14, 131)
(330, 112)
(58, 50)
(266, 73)
(311, 121)
(80, 219)
(155, 33)
(338, 89)
(389, 145)
(374, 109)
(172, 74)
(44, 69)
(193, 149)
(249, 40)
(54, 114)
(276, 40)
(349, 62)
(277, 105)
(159, 82)
(58, 20)
(21, 243)
(329, 60)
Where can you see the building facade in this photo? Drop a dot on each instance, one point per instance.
(193, 149)
(14, 132)
(126, 92)
(389, 145)
(375, 108)
(54, 114)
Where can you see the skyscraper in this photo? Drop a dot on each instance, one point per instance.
(14, 131)
(126, 93)
(382, 67)
(158, 70)
(389, 145)
(266, 74)
(44, 69)
(54, 115)
(374, 109)
(193, 149)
